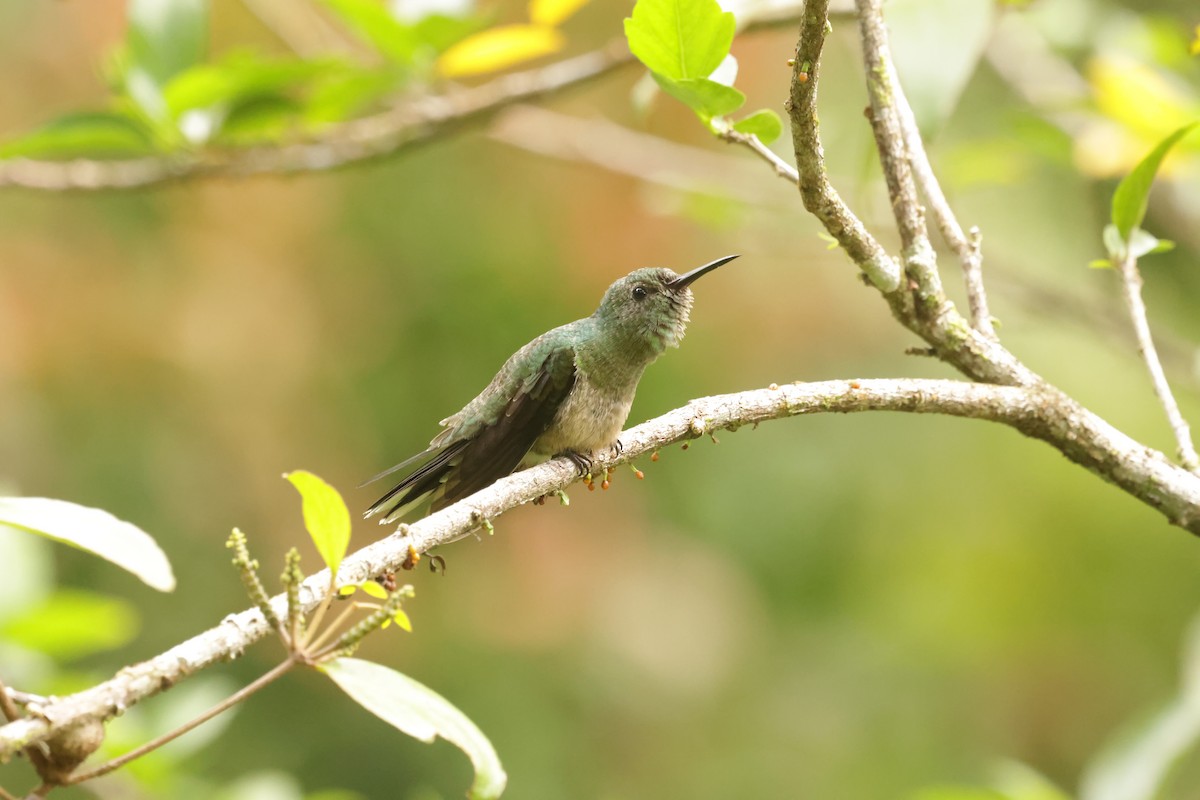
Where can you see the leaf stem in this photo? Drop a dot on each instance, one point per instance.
(782, 168)
(1131, 285)
(315, 623)
(315, 645)
(235, 698)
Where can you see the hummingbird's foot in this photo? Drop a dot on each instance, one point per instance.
(582, 463)
(616, 448)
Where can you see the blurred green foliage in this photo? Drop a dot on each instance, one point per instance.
(871, 606)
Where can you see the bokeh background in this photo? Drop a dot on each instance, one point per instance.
(850, 607)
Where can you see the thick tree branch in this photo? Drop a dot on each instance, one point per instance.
(1038, 413)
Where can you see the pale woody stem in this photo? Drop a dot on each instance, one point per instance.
(1131, 284)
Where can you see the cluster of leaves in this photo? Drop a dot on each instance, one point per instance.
(685, 45)
(168, 97)
(392, 696)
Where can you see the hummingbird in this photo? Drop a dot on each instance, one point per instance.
(566, 393)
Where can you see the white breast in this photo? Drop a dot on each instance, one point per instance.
(588, 420)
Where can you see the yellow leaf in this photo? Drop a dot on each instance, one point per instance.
(347, 590)
(498, 48)
(402, 620)
(1139, 97)
(553, 12)
(374, 590)
(1194, 49)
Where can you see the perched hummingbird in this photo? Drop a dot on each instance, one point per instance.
(566, 393)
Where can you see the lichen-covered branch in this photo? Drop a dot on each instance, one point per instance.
(918, 302)
(818, 194)
(966, 246)
(1038, 413)
(921, 304)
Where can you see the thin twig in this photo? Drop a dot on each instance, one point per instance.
(37, 758)
(229, 702)
(967, 248)
(330, 594)
(920, 261)
(360, 140)
(1131, 285)
(602, 143)
(782, 168)
(314, 647)
(412, 123)
(7, 706)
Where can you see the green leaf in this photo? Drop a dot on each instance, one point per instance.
(23, 589)
(937, 46)
(73, 623)
(680, 39)
(1018, 781)
(1130, 198)
(96, 135)
(373, 23)
(165, 37)
(707, 98)
(765, 124)
(260, 120)
(439, 31)
(238, 79)
(98, 532)
(1136, 764)
(344, 95)
(325, 516)
(421, 713)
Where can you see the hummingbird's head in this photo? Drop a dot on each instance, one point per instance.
(651, 305)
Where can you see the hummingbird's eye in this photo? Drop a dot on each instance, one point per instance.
(639, 293)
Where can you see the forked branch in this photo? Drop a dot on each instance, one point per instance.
(1046, 415)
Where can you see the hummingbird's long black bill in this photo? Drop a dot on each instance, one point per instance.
(688, 277)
